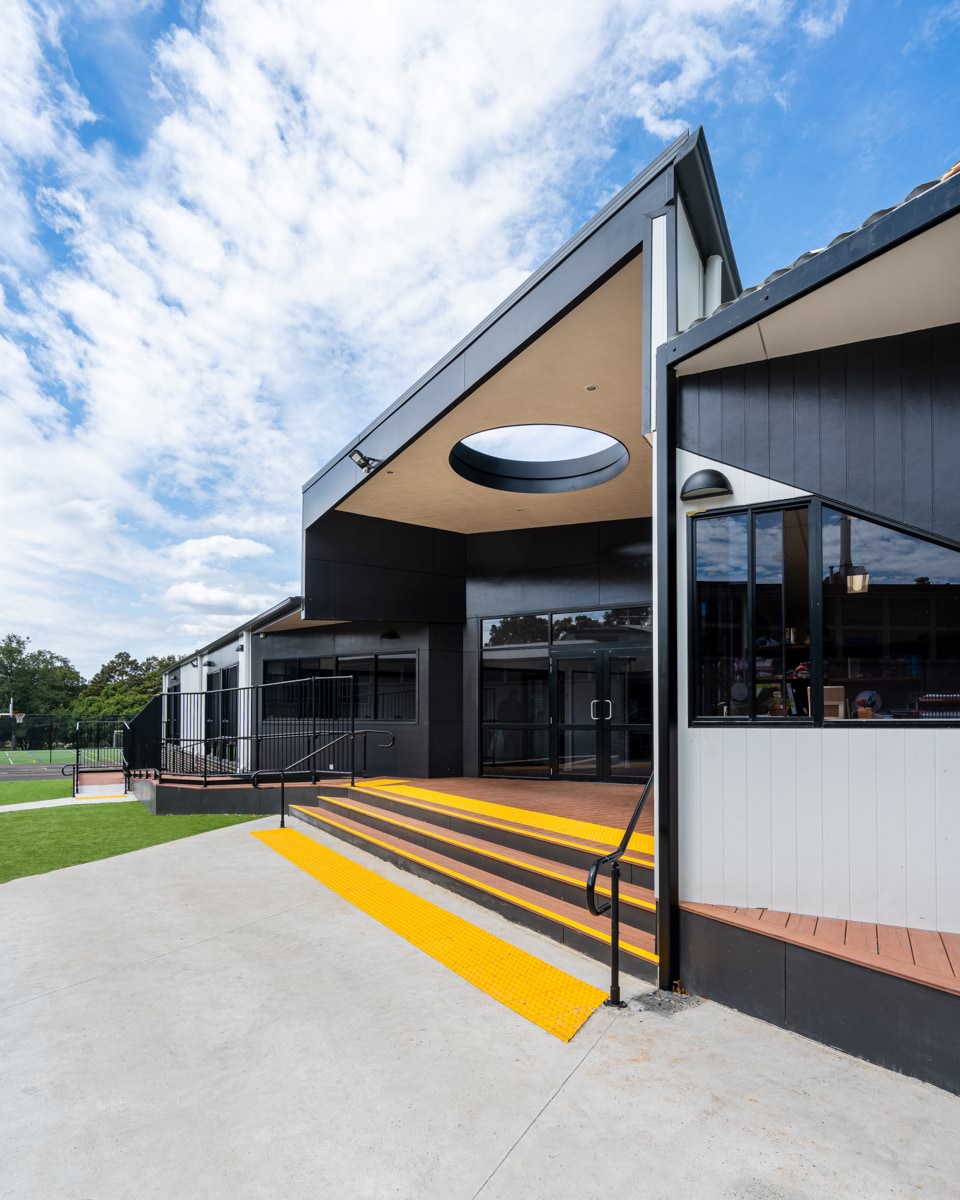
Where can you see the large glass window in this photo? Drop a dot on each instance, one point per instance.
(396, 687)
(886, 642)
(604, 625)
(751, 618)
(527, 629)
(891, 623)
(721, 668)
(384, 685)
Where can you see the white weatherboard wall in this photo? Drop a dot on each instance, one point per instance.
(859, 824)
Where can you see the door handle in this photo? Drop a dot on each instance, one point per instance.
(609, 716)
(593, 709)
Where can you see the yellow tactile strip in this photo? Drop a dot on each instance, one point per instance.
(587, 830)
(465, 877)
(536, 990)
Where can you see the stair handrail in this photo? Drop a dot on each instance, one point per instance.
(613, 904)
(352, 734)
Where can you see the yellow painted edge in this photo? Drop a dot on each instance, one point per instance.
(484, 887)
(540, 834)
(588, 830)
(545, 995)
(383, 815)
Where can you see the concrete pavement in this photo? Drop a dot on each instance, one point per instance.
(201, 1019)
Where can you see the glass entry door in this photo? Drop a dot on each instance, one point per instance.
(602, 717)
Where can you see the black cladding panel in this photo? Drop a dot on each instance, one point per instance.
(873, 424)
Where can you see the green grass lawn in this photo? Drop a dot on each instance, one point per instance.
(21, 791)
(32, 843)
(28, 757)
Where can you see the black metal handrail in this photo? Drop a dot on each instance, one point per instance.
(612, 906)
(352, 734)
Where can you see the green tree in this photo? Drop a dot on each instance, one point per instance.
(38, 680)
(123, 685)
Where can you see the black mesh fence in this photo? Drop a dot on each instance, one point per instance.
(57, 737)
(239, 731)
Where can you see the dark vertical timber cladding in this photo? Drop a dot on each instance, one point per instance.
(756, 415)
(689, 417)
(888, 425)
(806, 417)
(732, 441)
(945, 387)
(918, 470)
(782, 427)
(833, 422)
(711, 427)
(873, 424)
(861, 459)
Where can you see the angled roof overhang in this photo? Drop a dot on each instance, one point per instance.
(579, 320)
(895, 274)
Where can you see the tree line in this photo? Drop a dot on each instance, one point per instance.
(43, 682)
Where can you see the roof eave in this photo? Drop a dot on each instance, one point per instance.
(901, 223)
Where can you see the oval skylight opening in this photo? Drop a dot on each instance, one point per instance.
(539, 458)
(539, 443)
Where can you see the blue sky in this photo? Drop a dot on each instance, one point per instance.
(231, 232)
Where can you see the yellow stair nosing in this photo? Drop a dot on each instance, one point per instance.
(567, 922)
(438, 835)
(549, 997)
(572, 826)
(636, 858)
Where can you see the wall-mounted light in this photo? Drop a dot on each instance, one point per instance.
(706, 483)
(858, 580)
(389, 635)
(209, 662)
(240, 648)
(364, 461)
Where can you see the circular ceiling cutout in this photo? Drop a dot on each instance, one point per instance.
(539, 458)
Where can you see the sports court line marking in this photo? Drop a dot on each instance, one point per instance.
(534, 989)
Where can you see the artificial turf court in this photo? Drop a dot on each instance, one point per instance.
(34, 842)
(65, 755)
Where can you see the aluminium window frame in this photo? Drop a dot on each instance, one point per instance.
(815, 504)
(413, 653)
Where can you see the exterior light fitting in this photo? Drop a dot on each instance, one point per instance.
(706, 483)
(858, 581)
(363, 461)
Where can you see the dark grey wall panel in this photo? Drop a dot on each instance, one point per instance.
(874, 424)
(733, 967)
(594, 564)
(366, 569)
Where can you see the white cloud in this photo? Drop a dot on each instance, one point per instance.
(823, 19)
(197, 596)
(333, 196)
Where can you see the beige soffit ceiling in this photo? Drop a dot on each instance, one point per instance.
(913, 286)
(292, 622)
(599, 342)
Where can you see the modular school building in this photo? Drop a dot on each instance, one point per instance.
(743, 582)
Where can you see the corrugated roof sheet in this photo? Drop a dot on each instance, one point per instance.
(807, 255)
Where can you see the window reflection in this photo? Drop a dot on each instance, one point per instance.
(720, 568)
(891, 623)
(604, 625)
